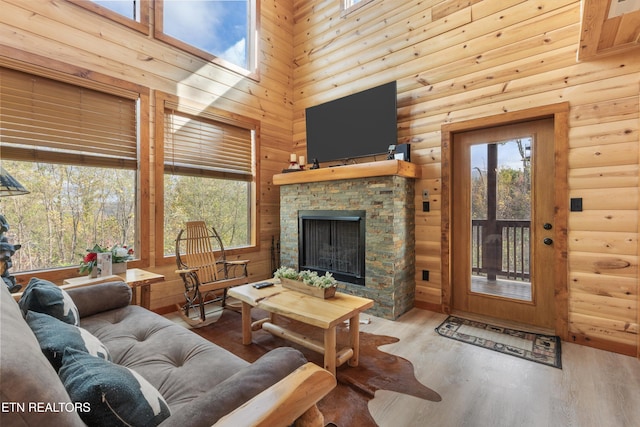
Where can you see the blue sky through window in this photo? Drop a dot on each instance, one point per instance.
(219, 27)
(128, 8)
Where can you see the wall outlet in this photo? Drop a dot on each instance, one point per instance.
(425, 275)
(576, 204)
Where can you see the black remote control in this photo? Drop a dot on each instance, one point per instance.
(262, 285)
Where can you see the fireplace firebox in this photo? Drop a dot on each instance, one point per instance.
(333, 241)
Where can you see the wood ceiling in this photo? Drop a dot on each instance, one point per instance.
(608, 27)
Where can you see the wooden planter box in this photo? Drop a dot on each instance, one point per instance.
(298, 286)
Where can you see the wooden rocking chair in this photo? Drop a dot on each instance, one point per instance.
(206, 279)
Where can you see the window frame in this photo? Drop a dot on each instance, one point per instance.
(164, 101)
(142, 26)
(56, 70)
(252, 44)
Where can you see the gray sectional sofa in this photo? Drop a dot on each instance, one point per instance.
(177, 377)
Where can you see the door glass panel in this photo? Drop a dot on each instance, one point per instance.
(501, 219)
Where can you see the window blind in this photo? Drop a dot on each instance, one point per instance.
(50, 121)
(204, 146)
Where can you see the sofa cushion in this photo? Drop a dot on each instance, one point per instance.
(54, 336)
(118, 396)
(101, 297)
(45, 297)
(238, 388)
(27, 377)
(180, 364)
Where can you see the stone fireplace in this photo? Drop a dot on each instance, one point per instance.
(383, 204)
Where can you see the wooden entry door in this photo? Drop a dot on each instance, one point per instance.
(503, 222)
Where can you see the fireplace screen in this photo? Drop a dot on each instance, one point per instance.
(333, 241)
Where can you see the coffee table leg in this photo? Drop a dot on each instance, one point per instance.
(246, 323)
(330, 349)
(354, 338)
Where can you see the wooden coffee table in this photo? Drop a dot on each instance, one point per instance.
(322, 313)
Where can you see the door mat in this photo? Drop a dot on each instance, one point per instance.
(545, 349)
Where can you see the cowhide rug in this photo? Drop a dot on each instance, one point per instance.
(346, 405)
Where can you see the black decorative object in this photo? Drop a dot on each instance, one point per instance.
(6, 252)
(9, 186)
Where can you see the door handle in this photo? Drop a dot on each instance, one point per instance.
(547, 226)
(547, 241)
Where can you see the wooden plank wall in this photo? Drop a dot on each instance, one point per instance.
(84, 40)
(457, 60)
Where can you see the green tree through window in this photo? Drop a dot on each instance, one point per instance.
(68, 210)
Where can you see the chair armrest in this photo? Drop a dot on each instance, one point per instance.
(187, 270)
(282, 403)
(237, 262)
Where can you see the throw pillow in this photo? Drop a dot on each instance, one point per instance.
(55, 335)
(45, 297)
(118, 396)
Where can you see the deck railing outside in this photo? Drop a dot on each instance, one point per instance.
(503, 254)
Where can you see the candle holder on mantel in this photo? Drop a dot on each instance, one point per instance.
(294, 166)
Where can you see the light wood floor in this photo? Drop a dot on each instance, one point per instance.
(481, 387)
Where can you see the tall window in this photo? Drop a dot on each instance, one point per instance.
(223, 29)
(208, 175)
(75, 150)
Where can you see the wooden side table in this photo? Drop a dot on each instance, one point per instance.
(134, 277)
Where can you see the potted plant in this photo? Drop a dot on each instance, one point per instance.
(88, 264)
(307, 282)
(119, 257)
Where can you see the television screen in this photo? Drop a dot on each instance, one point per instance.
(358, 125)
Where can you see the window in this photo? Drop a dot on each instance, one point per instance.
(224, 30)
(76, 150)
(127, 8)
(221, 31)
(208, 175)
(351, 5)
(132, 13)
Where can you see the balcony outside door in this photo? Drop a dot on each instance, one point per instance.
(503, 222)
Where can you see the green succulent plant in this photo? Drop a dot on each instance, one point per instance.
(307, 277)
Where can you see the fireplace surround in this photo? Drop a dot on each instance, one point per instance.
(386, 202)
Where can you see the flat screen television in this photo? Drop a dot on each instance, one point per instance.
(358, 125)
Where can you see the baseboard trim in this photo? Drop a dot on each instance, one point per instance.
(423, 305)
(626, 349)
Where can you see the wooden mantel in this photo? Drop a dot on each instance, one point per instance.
(362, 170)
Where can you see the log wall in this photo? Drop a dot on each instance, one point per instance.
(457, 60)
